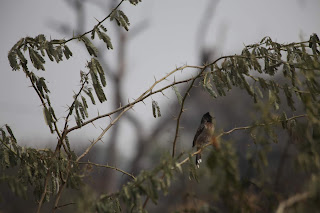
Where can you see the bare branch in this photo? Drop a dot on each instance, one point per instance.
(181, 111)
(240, 128)
(109, 167)
(150, 91)
(43, 195)
(291, 201)
(103, 132)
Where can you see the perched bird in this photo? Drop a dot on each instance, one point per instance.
(204, 135)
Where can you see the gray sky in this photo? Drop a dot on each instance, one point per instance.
(168, 41)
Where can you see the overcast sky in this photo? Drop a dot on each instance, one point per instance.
(168, 41)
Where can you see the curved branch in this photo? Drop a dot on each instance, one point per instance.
(44, 104)
(240, 128)
(181, 111)
(65, 128)
(291, 201)
(109, 167)
(149, 92)
(44, 192)
(262, 124)
(143, 96)
(99, 23)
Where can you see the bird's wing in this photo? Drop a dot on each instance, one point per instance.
(199, 131)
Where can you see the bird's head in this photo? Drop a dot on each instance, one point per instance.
(207, 117)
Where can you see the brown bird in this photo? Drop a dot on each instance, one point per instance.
(204, 135)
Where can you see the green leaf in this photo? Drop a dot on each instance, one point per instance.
(125, 18)
(103, 36)
(134, 2)
(156, 109)
(90, 47)
(10, 132)
(179, 97)
(82, 111)
(52, 113)
(36, 59)
(58, 54)
(12, 56)
(48, 118)
(84, 102)
(98, 69)
(23, 60)
(97, 87)
(93, 33)
(210, 90)
(89, 93)
(121, 19)
(103, 28)
(78, 119)
(67, 52)
(288, 94)
(49, 50)
(263, 83)
(313, 43)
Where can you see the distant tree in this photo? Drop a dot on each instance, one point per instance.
(287, 106)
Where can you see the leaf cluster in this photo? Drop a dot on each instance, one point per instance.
(121, 19)
(37, 48)
(259, 63)
(31, 168)
(148, 183)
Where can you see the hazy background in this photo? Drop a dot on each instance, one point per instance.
(168, 34)
(163, 35)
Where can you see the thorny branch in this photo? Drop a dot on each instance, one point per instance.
(109, 167)
(181, 111)
(241, 128)
(150, 91)
(179, 164)
(142, 97)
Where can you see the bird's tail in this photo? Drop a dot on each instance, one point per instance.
(198, 160)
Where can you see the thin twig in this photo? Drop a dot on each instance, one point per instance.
(240, 128)
(291, 201)
(181, 111)
(150, 91)
(262, 124)
(220, 135)
(64, 205)
(102, 134)
(143, 96)
(65, 128)
(44, 104)
(62, 187)
(109, 167)
(44, 191)
(97, 25)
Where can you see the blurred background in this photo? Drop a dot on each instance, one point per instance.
(163, 35)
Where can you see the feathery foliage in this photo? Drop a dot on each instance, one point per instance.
(48, 172)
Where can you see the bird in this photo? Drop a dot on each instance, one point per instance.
(204, 135)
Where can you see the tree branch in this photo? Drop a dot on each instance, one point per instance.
(43, 103)
(149, 92)
(102, 134)
(291, 201)
(99, 23)
(181, 111)
(44, 191)
(239, 128)
(109, 167)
